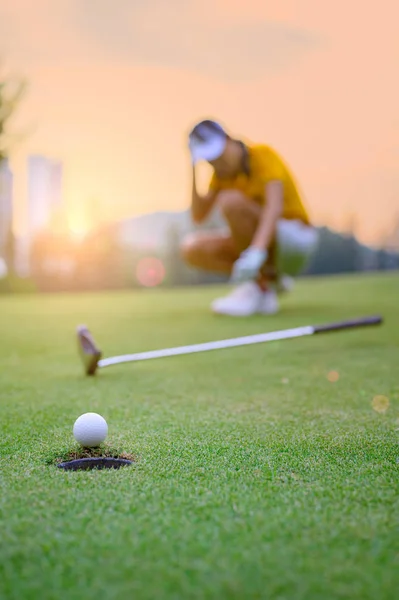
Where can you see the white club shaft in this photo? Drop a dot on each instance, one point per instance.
(230, 343)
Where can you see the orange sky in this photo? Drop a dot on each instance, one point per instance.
(114, 87)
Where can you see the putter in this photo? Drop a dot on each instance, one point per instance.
(92, 360)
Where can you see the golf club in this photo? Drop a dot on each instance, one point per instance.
(92, 360)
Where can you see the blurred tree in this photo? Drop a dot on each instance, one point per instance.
(11, 93)
(335, 254)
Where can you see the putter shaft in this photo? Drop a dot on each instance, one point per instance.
(207, 346)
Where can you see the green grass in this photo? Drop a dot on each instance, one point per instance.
(255, 476)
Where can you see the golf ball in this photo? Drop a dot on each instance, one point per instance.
(90, 430)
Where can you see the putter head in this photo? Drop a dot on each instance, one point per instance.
(90, 354)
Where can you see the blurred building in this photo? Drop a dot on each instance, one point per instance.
(44, 191)
(6, 203)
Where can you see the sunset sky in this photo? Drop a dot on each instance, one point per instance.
(114, 86)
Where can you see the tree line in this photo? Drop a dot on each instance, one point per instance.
(102, 262)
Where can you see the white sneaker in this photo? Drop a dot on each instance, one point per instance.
(247, 299)
(243, 301)
(269, 304)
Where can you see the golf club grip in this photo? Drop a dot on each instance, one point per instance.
(364, 322)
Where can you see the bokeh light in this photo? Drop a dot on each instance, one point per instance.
(333, 376)
(150, 272)
(380, 403)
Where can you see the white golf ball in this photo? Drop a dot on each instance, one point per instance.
(90, 430)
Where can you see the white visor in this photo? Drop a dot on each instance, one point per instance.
(207, 141)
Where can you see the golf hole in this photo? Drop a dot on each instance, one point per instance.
(97, 462)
